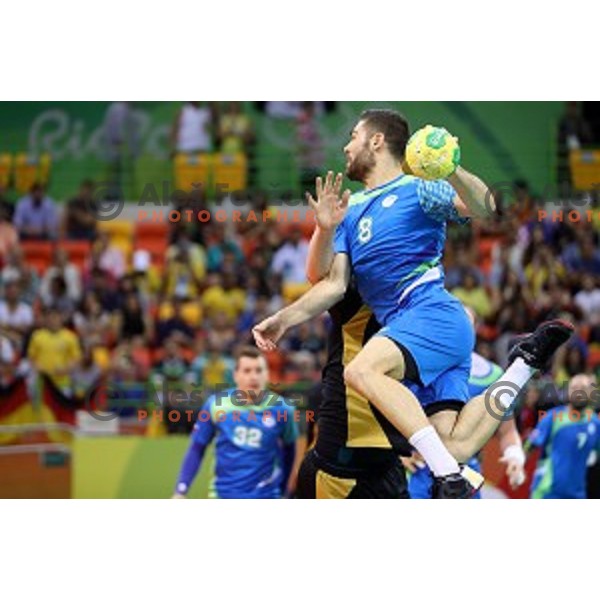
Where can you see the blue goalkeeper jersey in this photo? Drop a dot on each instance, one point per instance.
(248, 444)
(567, 439)
(394, 236)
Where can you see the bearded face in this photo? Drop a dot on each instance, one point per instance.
(359, 162)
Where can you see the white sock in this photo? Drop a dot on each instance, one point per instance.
(516, 376)
(429, 445)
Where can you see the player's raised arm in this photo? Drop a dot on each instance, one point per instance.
(475, 198)
(330, 209)
(432, 153)
(319, 298)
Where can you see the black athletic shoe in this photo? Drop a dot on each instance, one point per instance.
(457, 486)
(537, 348)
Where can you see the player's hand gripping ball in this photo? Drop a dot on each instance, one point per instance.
(432, 153)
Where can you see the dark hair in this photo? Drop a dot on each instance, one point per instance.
(392, 124)
(247, 352)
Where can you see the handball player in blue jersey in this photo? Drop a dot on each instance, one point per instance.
(257, 452)
(568, 436)
(391, 237)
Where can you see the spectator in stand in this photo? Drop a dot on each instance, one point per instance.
(311, 151)
(582, 257)
(183, 278)
(17, 269)
(570, 362)
(92, 323)
(553, 300)
(86, 375)
(223, 295)
(192, 129)
(234, 132)
(9, 237)
(146, 277)
(218, 247)
(107, 256)
(290, 260)
(175, 327)
(543, 265)
(16, 317)
(221, 332)
(103, 287)
(462, 266)
(36, 215)
(588, 300)
(254, 314)
(212, 367)
(79, 221)
(301, 369)
(195, 252)
(474, 296)
(55, 351)
(61, 267)
(57, 297)
(133, 322)
(307, 337)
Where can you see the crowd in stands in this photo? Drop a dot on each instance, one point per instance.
(122, 312)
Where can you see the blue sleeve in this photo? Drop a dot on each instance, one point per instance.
(202, 434)
(204, 428)
(340, 241)
(437, 201)
(541, 434)
(190, 466)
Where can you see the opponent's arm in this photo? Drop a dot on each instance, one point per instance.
(320, 297)
(513, 455)
(475, 198)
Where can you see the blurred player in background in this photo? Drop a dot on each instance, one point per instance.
(483, 374)
(257, 445)
(568, 436)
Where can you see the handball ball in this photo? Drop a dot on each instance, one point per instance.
(432, 153)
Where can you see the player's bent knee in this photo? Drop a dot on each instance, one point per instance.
(355, 375)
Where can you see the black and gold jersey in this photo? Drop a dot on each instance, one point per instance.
(352, 432)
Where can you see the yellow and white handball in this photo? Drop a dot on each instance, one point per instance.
(432, 153)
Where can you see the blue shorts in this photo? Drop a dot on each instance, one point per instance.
(433, 326)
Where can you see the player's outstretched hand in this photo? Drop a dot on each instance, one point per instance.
(514, 471)
(330, 208)
(268, 332)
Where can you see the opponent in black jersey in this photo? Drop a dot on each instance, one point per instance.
(356, 451)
